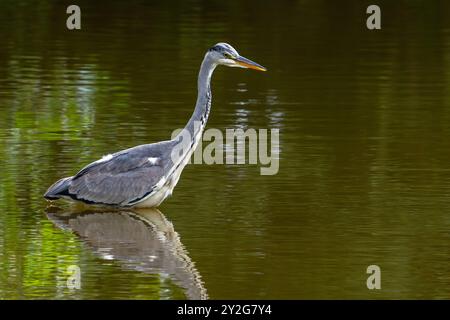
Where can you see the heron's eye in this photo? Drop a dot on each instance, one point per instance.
(227, 55)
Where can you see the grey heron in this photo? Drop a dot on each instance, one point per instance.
(145, 175)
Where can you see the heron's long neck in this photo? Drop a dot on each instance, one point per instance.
(199, 118)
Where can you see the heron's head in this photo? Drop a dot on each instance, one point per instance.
(224, 54)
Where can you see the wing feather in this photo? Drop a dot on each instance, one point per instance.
(124, 178)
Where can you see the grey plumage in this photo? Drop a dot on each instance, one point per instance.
(146, 175)
(123, 180)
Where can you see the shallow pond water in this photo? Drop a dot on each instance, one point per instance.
(364, 176)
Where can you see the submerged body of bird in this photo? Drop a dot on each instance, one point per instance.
(145, 175)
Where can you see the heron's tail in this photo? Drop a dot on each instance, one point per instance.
(58, 189)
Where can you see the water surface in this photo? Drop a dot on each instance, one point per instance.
(364, 173)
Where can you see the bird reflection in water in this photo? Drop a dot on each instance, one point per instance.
(142, 240)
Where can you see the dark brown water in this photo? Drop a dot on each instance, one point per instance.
(364, 177)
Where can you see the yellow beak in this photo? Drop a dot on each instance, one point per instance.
(247, 63)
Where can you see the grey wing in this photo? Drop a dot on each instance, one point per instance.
(124, 179)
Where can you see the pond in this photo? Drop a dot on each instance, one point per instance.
(364, 172)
